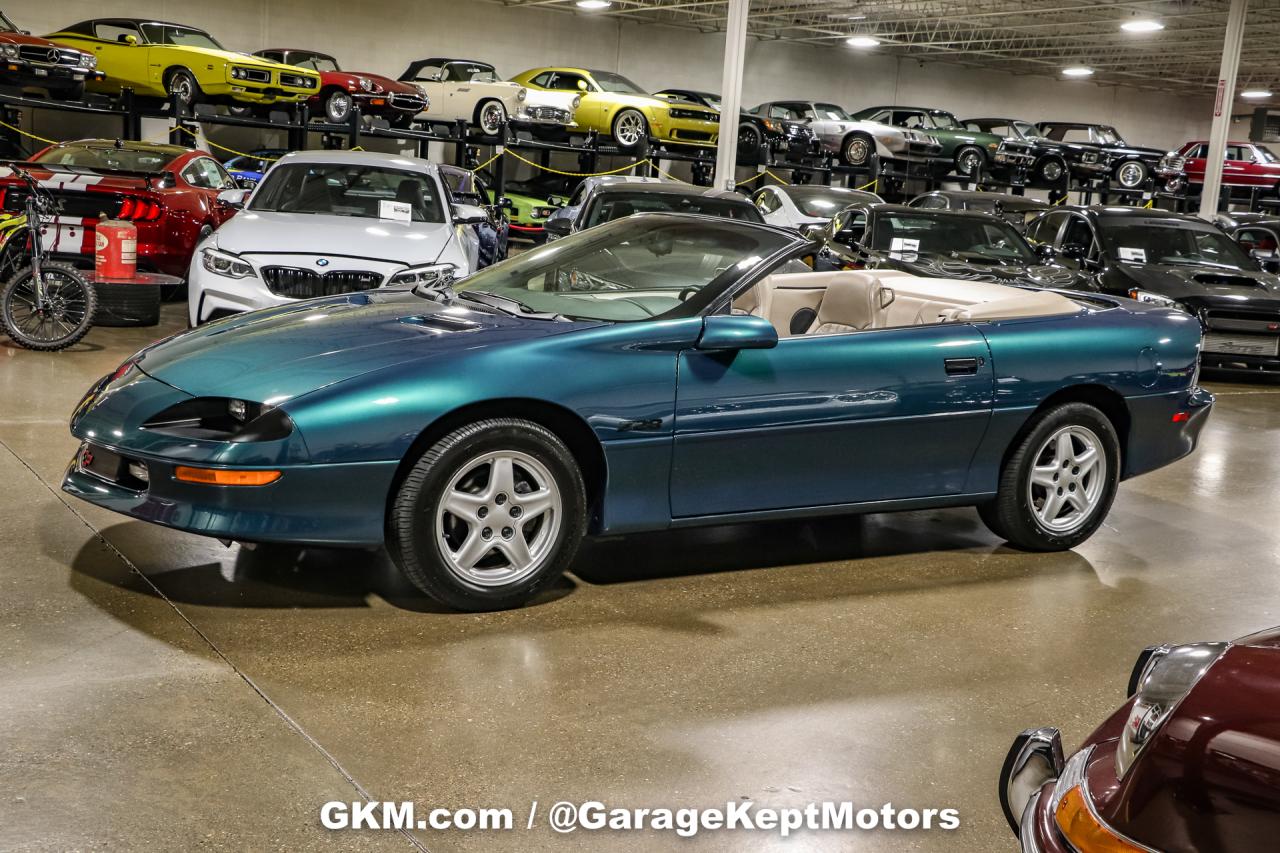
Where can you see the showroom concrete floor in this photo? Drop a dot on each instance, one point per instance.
(159, 691)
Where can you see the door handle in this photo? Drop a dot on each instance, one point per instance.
(962, 366)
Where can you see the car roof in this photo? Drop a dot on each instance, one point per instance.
(1017, 201)
(1120, 211)
(906, 107)
(136, 21)
(671, 188)
(368, 158)
(157, 147)
(444, 59)
(294, 50)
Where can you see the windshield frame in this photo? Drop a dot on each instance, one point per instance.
(151, 26)
(278, 171)
(1111, 247)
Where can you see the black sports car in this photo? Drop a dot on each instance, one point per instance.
(1131, 165)
(949, 244)
(1055, 158)
(1178, 261)
(1017, 210)
(793, 140)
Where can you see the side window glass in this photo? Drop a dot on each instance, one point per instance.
(543, 80)
(112, 31)
(1078, 233)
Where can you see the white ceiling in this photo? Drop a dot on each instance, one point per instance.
(1025, 36)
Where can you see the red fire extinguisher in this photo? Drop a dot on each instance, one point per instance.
(116, 249)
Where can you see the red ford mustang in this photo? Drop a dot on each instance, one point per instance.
(1190, 764)
(169, 192)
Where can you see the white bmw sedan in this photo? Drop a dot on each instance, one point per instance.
(322, 223)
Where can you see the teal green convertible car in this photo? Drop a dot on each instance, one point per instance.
(657, 371)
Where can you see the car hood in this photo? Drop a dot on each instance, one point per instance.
(351, 78)
(1179, 281)
(1137, 150)
(253, 231)
(1037, 275)
(279, 354)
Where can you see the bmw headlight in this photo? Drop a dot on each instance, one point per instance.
(521, 94)
(225, 264)
(427, 275)
(1148, 298)
(1162, 678)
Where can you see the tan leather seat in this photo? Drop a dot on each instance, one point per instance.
(854, 301)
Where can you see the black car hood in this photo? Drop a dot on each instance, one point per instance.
(1135, 150)
(1179, 281)
(1037, 275)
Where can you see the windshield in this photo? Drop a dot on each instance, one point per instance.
(180, 36)
(827, 112)
(959, 237)
(314, 61)
(347, 189)
(108, 157)
(1168, 241)
(606, 207)
(1265, 154)
(616, 83)
(470, 72)
(1107, 135)
(1026, 130)
(629, 270)
(940, 120)
(826, 201)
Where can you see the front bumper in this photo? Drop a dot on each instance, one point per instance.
(17, 72)
(540, 116)
(687, 131)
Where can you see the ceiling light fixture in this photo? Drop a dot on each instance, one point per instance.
(594, 4)
(1255, 93)
(1077, 71)
(862, 41)
(1142, 25)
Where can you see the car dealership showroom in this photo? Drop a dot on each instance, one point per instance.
(733, 425)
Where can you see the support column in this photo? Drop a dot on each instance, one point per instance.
(1222, 106)
(735, 46)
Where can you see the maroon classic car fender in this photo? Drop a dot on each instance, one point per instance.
(375, 94)
(1190, 764)
(32, 61)
(171, 206)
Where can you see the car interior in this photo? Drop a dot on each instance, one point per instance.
(833, 303)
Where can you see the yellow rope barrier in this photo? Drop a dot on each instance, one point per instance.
(874, 186)
(207, 141)
(665, 174)
(1150, 204)
(575, 174)
(30, 135)
(490, 160)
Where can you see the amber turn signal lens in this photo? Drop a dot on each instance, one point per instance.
(224, 477)
(1085, 831)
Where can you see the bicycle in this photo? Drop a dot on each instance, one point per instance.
(45, 305)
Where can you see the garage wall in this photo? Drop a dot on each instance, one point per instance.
(384, 35)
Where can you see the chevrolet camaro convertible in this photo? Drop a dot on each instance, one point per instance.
(657, 371)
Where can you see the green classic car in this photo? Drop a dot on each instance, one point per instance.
(161, 60)
(531, 202)
(967, 150)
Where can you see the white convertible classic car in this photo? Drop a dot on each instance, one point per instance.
(473, 91)
(323, 223)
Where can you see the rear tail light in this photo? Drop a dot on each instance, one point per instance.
(139, 210)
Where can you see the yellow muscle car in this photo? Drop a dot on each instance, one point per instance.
(614, 106)
(161, 60)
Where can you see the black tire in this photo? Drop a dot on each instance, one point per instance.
(857, 149)
(65, 283)
(489, 117)
(1051, 171)
(337, 105)
(183, 83)
(412, 539)
(1014, 515)
(749, 141)
(967, 157)
(625, 122)
(1131, 174)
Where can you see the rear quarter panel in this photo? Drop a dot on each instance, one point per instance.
(1145, 356)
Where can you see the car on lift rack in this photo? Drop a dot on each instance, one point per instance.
(606, 202)
(1131, 165)
(169, 192)
(471, 91)
(342, 91)
(854, 142)
(617, 108)
(1053, 158)
(529, 203)
(1247, 165)
(158, 59)
(951, 244)
(964, 150)
(609, 385)
(1017, 210)
(806, 206)
(795, 141)
(28, 61)
(331, 222)
(1176, 261)
(1190, 761)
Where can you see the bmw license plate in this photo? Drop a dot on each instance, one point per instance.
(1256, 345)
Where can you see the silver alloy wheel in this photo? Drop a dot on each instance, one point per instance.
(857, 151)
(1052, 170)
(968, 162)
(1131, 175)
(629, 128)
(1067, 479)
(499, 518)
(182, 85)
(492, 115)
(337, 107)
